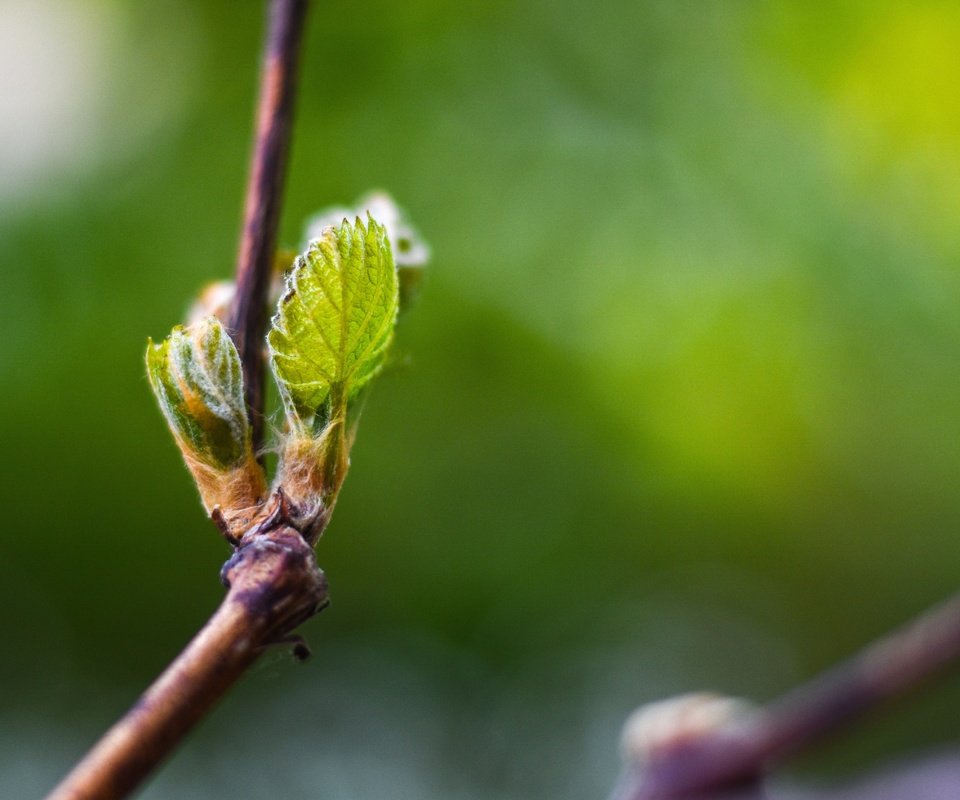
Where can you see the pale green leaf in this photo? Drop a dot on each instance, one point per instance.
(411, 253)
(335, 320)
(196, 375)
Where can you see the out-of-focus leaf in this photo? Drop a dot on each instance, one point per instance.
(214, 300)
(410, 250)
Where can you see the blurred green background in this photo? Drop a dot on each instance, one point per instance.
(680, 403)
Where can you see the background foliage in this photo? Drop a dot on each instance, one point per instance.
(681, 406)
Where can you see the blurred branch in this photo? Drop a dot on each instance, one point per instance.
(273, 580)
(929, 778)
(278, 82)
(739, 753)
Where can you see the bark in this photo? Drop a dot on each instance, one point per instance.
(274, 584)
(273, 580)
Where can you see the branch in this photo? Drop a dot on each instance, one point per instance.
(273, 580)
(258, 241)
(274, 585)
(739, 753)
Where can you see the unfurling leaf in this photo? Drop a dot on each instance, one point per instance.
(334, 323)
(328, 338)
(196, 376)
(410, 251)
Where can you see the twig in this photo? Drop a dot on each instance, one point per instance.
(739, 754)
(274, 586)
(258, 241)
(273, 579)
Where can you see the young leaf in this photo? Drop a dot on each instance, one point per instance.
(196, 376)
(410, 251)
(334, 322)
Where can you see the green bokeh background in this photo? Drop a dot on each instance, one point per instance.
(679, 406)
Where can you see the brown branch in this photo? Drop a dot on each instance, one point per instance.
(261, 216)
(274, 585)
(739, 754)
(273, 579)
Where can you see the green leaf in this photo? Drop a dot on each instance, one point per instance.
(334, 322)
(410, 250)
(196, 376)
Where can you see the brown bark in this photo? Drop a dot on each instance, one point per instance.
(274, 585)
(258, 242)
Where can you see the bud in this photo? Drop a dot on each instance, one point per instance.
(196, 376)
(655, 730)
